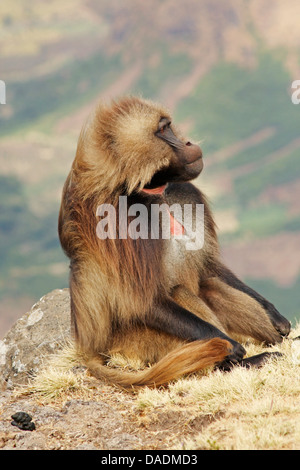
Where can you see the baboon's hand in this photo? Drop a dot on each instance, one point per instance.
(281, 324)
(254, 361)
(235, 356)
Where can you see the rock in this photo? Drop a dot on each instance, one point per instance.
(38, 333)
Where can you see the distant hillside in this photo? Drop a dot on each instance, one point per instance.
(224, 68)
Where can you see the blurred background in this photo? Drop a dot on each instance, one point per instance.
(224, 69)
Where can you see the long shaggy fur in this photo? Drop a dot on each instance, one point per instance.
(114, 283)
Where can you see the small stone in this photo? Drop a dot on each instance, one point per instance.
(21, 417)
(23, 421)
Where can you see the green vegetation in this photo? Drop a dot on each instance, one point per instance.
(157, 77)
(12, 206)
(28, 245)
(286, 299)
(264, 221)
(59, 93)
(231, 103)
(281, 171)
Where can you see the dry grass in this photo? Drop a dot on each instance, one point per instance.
(242, 409)
(61, 377)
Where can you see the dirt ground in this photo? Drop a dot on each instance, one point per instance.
(109, 420)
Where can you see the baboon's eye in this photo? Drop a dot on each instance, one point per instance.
(163, 125)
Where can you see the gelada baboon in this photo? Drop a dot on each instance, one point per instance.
(147, 296)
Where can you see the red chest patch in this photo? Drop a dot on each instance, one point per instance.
(175, 227)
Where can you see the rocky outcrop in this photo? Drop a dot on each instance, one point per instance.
(38, 333)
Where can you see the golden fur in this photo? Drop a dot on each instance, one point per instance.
(114, 283)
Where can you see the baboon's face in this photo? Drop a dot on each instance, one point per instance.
(185, 162)
(144, 147)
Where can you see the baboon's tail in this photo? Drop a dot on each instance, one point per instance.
(185, 359)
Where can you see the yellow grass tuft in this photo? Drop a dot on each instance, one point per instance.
(62, 374)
